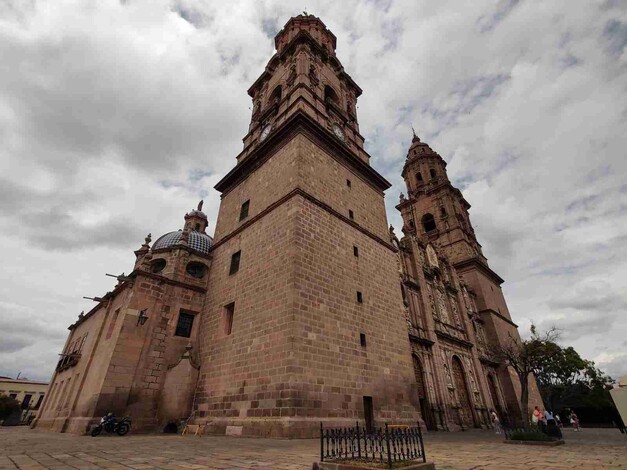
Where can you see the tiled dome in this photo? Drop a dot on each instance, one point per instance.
(197, 241)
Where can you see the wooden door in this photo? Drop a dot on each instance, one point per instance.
(459, 381)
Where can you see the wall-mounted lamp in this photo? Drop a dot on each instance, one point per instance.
(142, 317)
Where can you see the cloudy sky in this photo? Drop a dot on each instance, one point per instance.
(116, 117)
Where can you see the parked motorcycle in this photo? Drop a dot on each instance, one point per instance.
(111, 425)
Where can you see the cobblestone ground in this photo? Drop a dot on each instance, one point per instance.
(33, 449)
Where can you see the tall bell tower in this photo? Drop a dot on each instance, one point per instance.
(304, 319)
(436, 211)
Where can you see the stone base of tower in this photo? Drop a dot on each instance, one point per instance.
(287, 428)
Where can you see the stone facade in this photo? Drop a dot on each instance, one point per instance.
(304, 307)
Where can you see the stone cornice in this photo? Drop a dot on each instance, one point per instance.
(453, 339)
(301, 123)
(484, 268)
(418, 339)
(314, 200)
(497, 314)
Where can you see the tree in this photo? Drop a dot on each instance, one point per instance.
(526, 357)
(566, 378)
(8, 406)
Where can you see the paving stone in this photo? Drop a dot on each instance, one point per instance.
(34, 449)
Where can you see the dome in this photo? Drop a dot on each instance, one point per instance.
(197, 241)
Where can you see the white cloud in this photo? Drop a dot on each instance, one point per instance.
(116, 117)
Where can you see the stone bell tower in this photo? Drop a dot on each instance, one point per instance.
(438, 212)
(303, 320)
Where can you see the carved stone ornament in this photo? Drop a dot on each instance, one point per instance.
(434, 310)
(455, 311)
(442, 305)
(447, 371)
(313, 75)
(432, 257)
(402, 198)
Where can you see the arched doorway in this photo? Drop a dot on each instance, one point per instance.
(425, 409)
(494, 395)
(459, 380)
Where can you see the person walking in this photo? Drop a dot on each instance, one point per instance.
(574, 420)
(496, 422)
(538, 417)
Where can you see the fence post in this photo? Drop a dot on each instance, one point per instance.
(358, 442)
(321, 444)
(422, 445)
(387, 441)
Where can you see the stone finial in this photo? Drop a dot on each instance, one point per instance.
(414, 138)
(200, 205)
(81, 315)
(393, 236)
(402, 198)
(148, 239)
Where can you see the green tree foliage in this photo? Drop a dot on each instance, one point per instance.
(564, 378)
(8, 406)
(526, 357)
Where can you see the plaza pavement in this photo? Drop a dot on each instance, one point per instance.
(25, 448)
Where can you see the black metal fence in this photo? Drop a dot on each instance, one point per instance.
(383, 445)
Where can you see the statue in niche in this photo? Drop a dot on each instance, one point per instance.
(447, 371)
(455, 311)
(442, 304)
(432, 257)
(434, 310)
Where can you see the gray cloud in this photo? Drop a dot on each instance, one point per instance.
(116, 118)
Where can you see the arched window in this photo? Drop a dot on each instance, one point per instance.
(419, 177)
(442, 212)
(428, 222)
(196, 269)
(330, 95)
(432, 173)
(157, 265)
(275, 97)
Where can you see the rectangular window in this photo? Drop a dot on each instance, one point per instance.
(351, 215)
(184, 325)
(39, 400)
(348, 183)
(362, 339)
(229, 311)
(235, 257)
(360, 298)
(355, 251)
(26, 401)
(243, 213)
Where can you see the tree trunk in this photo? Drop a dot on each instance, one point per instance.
(524, 399)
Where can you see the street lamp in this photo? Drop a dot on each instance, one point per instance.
(142, 317)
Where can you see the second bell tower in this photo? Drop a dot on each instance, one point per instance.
(437, 212)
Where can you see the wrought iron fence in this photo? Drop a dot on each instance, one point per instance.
(383, 445)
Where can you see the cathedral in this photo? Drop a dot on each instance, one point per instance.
(304, 306)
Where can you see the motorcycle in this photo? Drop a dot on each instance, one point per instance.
(111, 425)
